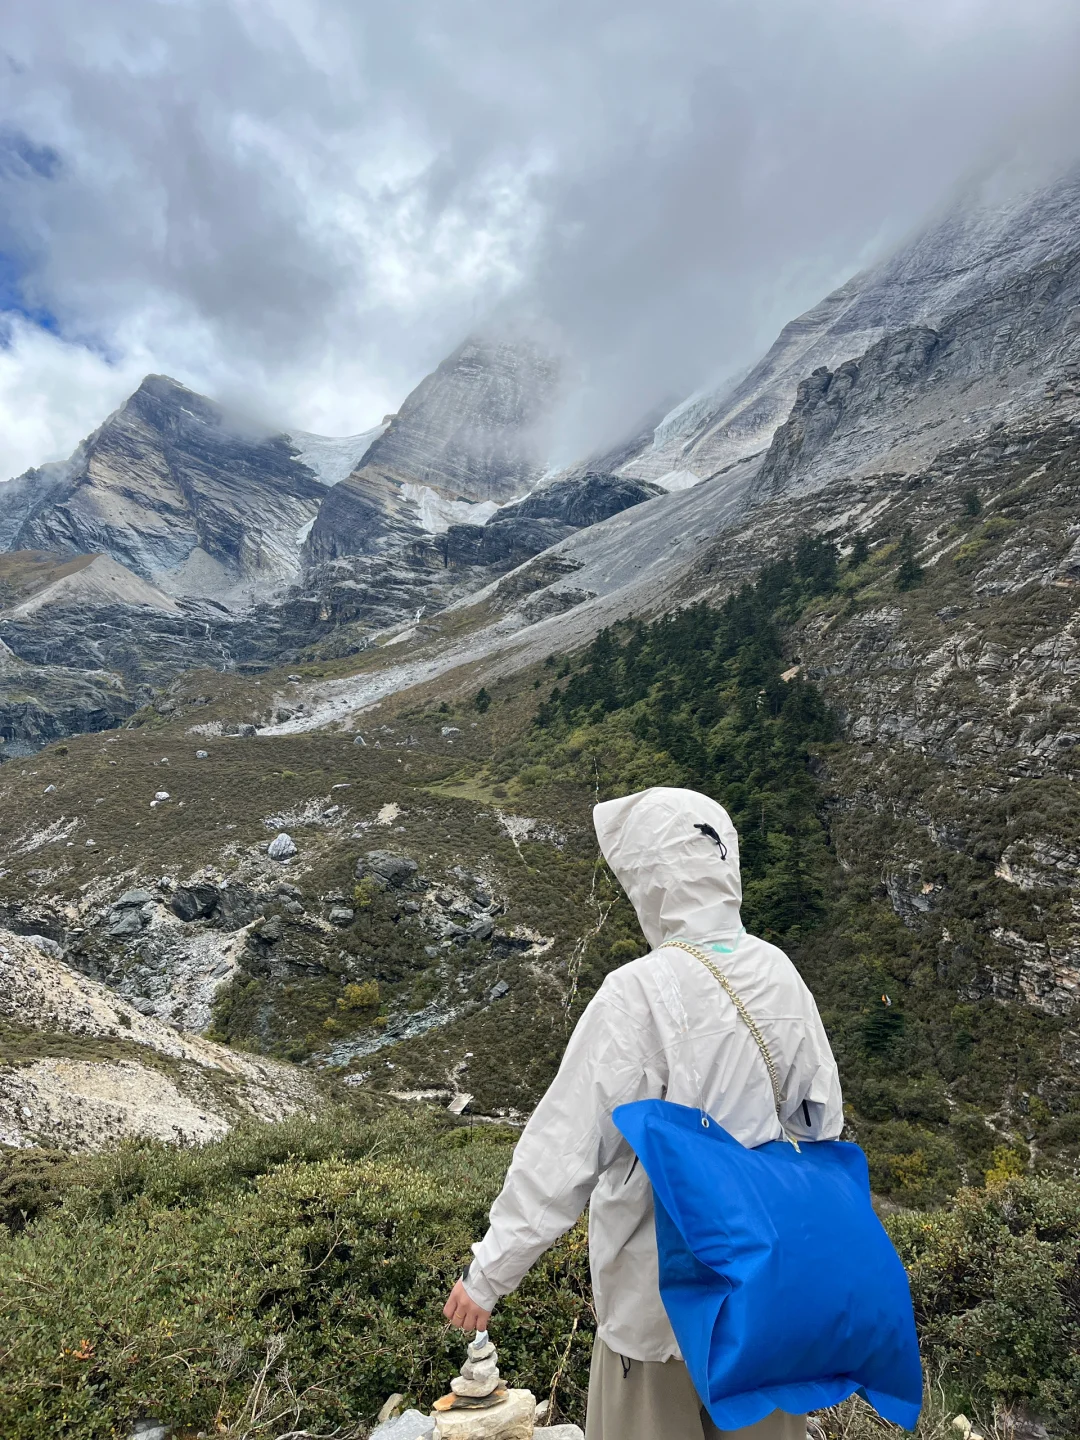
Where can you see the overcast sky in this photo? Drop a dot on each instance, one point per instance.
(303, 205)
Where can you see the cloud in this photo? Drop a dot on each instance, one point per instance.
(300, 206)
(52, 393)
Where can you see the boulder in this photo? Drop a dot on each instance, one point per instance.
(133, 897)
(282, 847)
(559, 1432)
(46, 945)
(126, 924)
(271, 929)
(342, 915)
(149, 1430)
(409, 1426)
(386, 868)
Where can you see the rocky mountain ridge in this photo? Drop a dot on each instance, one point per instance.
(184, 495)
(979, 245)
(1014, 353)
(472, 434)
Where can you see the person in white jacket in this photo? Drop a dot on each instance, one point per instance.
(658, 1028)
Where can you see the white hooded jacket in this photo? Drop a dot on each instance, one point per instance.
(658, 1028)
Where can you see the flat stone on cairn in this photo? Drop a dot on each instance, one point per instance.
(513, 1418)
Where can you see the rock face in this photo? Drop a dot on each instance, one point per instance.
(43, 703)
(587, 501)
(502, 542)
(472, 431)
(977, 248)
(93, 1085)
(179, 492)
(552, 512)
(1015, 350)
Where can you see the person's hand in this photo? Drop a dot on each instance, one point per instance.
(461, 1310)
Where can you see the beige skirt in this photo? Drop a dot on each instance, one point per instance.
(645, 1400)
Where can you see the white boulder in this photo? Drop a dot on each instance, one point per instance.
(282, 847)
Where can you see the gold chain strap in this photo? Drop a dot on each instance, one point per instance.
(747, 1019)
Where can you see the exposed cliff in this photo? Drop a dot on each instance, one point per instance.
(1014, 353)
(80, 1067)
(978, 246)
(184, 495)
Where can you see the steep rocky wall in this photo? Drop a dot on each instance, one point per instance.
(979, 245)
(1016, 350)
(956, 783)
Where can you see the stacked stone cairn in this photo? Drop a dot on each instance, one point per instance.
(480, 1406)
(479, 1385)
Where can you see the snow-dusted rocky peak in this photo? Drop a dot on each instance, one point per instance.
(188, 497)
(476, 427)
(473, 432)
(970, 252)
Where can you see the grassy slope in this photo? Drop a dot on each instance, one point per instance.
(292, 1275)
(955, 1080)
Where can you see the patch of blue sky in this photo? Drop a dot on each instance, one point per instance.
(14, 301)
(22, 160)
(21, 156)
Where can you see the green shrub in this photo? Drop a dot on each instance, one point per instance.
(967, 557)
(292, 1276)
(366, 892)
(360, 995)
(995, 1279)
(169, 1283)
(31, 1181)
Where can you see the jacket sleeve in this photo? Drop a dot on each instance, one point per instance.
(569, 1141)
(815, 1108)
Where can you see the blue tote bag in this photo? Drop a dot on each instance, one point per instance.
(782, 1287)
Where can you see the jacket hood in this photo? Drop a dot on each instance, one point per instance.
(676, 854)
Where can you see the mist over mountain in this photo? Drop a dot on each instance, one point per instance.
(425, 428)
(655, 203)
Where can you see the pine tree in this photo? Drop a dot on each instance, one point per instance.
(910, 572)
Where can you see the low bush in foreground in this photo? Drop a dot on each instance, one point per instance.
(292, 1276)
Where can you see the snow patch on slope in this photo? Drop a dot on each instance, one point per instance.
(678, 480)
(333, 457)
(437, 514)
